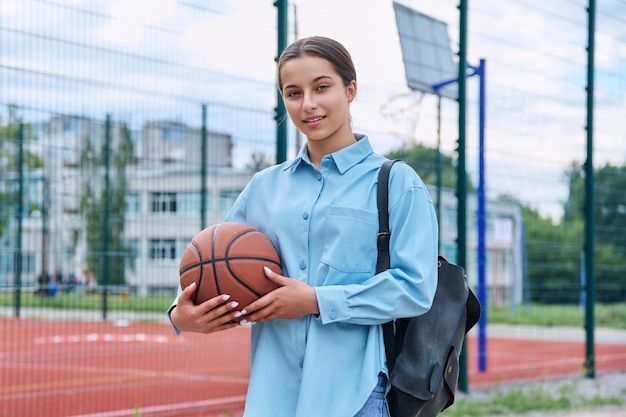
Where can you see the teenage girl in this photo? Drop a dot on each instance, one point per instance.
(317, 347)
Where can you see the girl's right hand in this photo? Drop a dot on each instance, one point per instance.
(213, 315)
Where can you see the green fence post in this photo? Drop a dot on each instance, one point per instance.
(105, 216)
(461, 187)
(590, 282)
(281, 111)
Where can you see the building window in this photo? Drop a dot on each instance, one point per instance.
(449, 217)
(162, 249)
(133, 252)
(227, 199)
(163, 202)
(449, 252)
(132, 204)
(28, 262)
(189, 202)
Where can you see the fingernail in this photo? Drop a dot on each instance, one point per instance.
(225, 297)
(237, 314)
(242, 322)
(234, 304)
(267, 270)
(244, 312)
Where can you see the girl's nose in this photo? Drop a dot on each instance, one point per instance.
(309, 102)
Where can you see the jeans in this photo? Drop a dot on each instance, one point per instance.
(376, 404)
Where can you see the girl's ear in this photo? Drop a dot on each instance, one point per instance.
(351, 91)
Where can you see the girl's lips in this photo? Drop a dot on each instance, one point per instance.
(313, 119)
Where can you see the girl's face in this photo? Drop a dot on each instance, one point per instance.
(316, 99)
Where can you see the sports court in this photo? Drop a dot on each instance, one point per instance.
(128, 126)
(121, 368)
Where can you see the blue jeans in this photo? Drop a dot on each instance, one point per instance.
(376, 404)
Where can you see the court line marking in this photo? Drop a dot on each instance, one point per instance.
(169, 407)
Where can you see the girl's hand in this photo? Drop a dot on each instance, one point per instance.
(213, 315)
(291, 300)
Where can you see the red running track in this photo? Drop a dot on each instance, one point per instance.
(114, 369)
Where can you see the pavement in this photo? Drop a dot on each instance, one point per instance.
(601, 335)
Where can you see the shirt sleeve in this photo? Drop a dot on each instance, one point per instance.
(408, 288)
(169, 310)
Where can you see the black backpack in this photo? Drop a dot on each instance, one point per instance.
(423, 352)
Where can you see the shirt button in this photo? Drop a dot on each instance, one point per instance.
(301, 363)
(305, 216)
(319, 177)
(302, 265)
(333, 315)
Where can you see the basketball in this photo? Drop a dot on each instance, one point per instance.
(228, 258)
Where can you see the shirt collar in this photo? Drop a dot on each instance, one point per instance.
(344, 158)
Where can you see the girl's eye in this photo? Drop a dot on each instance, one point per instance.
(323, 87)
(292, 94)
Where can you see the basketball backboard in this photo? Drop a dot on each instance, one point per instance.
(426, 52)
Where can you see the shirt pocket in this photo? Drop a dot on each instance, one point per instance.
(350, 239)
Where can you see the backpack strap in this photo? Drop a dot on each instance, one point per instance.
(382, 241)
(384, 234)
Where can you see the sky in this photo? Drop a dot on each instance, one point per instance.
(534, 53)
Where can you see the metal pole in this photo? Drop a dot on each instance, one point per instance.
(461, 185)
(590, 278)
(296, 36)
(20, 216)
(481, 217)
(203, 170)
(281, 111)
(438, 168)
(105, 216)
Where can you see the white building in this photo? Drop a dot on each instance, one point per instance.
(163, 208)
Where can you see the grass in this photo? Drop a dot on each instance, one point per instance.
(606, 315)
(525, 400)
(115, 302)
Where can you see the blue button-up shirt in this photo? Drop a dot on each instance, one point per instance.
(324, 223)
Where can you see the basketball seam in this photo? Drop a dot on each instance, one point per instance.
(195, 293)
(232, 273)
(213, 238)
(234, 258)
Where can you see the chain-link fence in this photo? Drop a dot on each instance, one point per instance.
(127, 127)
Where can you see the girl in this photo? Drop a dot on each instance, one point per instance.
(317, 346)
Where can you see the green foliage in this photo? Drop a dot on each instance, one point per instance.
(9, 164)
(96, 202)
(606, 315)
(553, 257)
(520, 400)
(424, 160)
(554, 250)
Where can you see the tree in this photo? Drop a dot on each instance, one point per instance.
(553, 253)
(9, 166)
(258, 161)
(94, 200)
(424, 161)
(610, 225)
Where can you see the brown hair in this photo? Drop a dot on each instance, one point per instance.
(321, 47)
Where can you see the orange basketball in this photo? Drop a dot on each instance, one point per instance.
(228, 258)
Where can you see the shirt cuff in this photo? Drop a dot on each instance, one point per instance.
(169, 316)
(332, 304)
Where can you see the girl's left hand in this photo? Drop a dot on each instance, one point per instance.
(291, 300)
